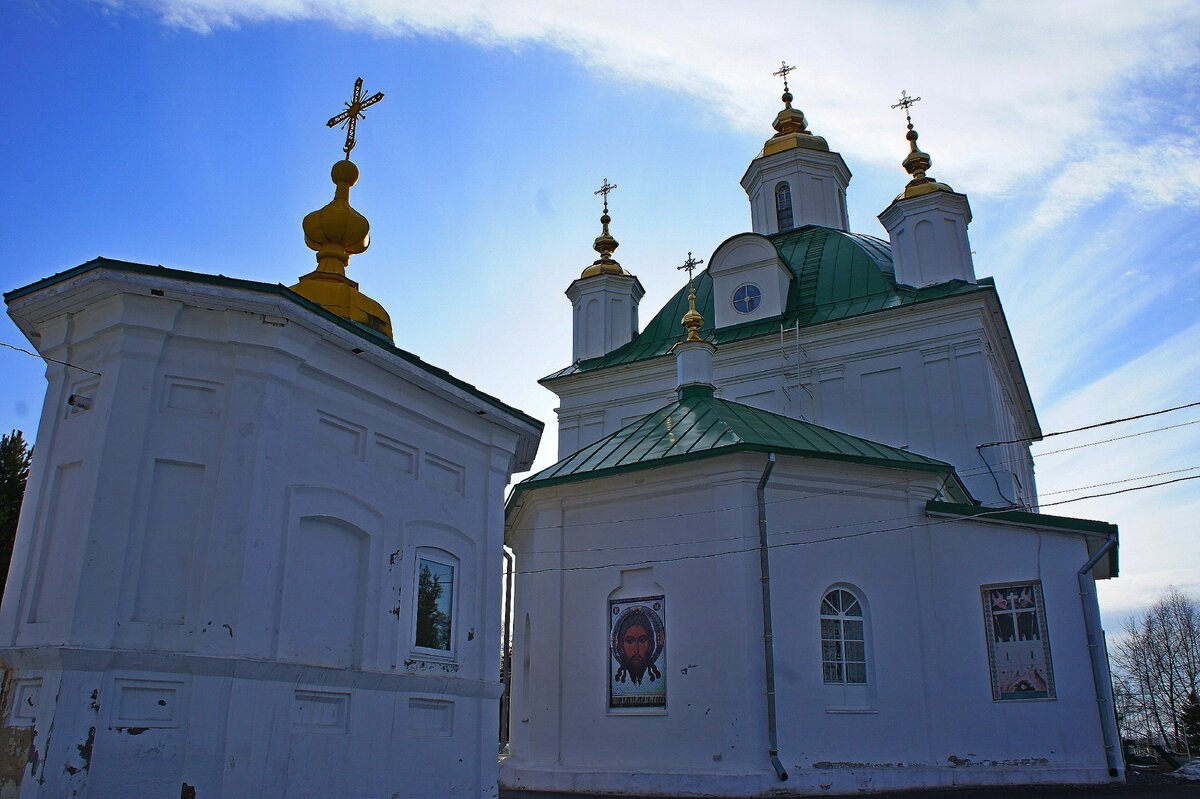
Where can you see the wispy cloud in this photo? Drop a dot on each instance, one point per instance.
(1012, 91)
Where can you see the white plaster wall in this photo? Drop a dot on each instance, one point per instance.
(926, 717)
(604, 313)
(938, 379)
(215, 569)
(817, 180)
(929, 238)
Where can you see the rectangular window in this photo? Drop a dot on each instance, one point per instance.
(1018, 644)
(435, 604)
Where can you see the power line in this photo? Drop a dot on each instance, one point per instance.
(1118, 438)
(1092, 426)
(1117, 482)
(817, 529)
(1123, 490)
(50, 360)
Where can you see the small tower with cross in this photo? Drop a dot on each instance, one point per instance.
(338, 231)
(694, 354)
(605, 297)
(927, 222)
(796, 180)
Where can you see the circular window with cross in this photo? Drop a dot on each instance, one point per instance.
(746, 298)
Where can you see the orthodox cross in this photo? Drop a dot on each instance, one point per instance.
(783, 71)
(604, 189)
(906, 103)
(348, 119)
(691, 264)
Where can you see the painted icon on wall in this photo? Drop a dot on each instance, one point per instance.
(1018, 647)
(637, 642)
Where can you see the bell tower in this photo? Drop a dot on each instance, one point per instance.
(927, 222)
(604, 299)
(796, 180)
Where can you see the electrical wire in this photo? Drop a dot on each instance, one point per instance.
(825, 528)
(1118, 438)
(1117, 482)
(49, 360)
(1093, 426)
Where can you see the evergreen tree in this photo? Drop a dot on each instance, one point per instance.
(1190, 716)
(15, 456)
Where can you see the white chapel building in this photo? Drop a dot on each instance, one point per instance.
(785, 549)
(260, 552)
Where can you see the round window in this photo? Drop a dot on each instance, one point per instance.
(746, 298)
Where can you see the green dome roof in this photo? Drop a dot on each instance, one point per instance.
(836, 275)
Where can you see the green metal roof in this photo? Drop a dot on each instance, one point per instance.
(837, 275)
(367, 334)
(699, 425)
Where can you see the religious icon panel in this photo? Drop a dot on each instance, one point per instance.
(1018, 644)
(637, 662)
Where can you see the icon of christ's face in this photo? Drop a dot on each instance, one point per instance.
(636, 645)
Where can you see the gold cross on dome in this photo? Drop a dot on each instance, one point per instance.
(906, 103)
(783, 71)
(604, 189)
(348, 119)
(691, 264)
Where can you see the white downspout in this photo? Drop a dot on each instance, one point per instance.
(768, 636)
(1098, 653)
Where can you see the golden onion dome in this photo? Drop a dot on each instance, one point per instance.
(917, 163)
(605, 245)
(692, 320)
(791, 131)
(337, 231)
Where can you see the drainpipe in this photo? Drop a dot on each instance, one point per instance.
(506, 649)
(1099, 658)
(768, 637)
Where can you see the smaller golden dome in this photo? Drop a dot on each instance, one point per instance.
(336, 232)
(606, 245)
(692, 320)
(917, 163)
(791, 131)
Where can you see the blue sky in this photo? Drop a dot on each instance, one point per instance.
(190, 133)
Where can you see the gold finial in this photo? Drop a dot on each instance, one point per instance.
(337, 231)
(348, 119)
(917, 162)
(692, 320)
(604, 244)
(791, 127)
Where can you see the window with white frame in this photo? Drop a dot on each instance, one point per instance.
(433, 623)
(843, 639)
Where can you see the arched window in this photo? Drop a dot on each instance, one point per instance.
(843, 639)
(783, 206)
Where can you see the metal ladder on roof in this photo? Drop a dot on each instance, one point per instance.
(794, 356)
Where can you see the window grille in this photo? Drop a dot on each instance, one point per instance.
(783, 206)
(843, 639)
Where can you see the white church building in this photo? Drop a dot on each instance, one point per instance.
(260, 552)
(794, 546)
